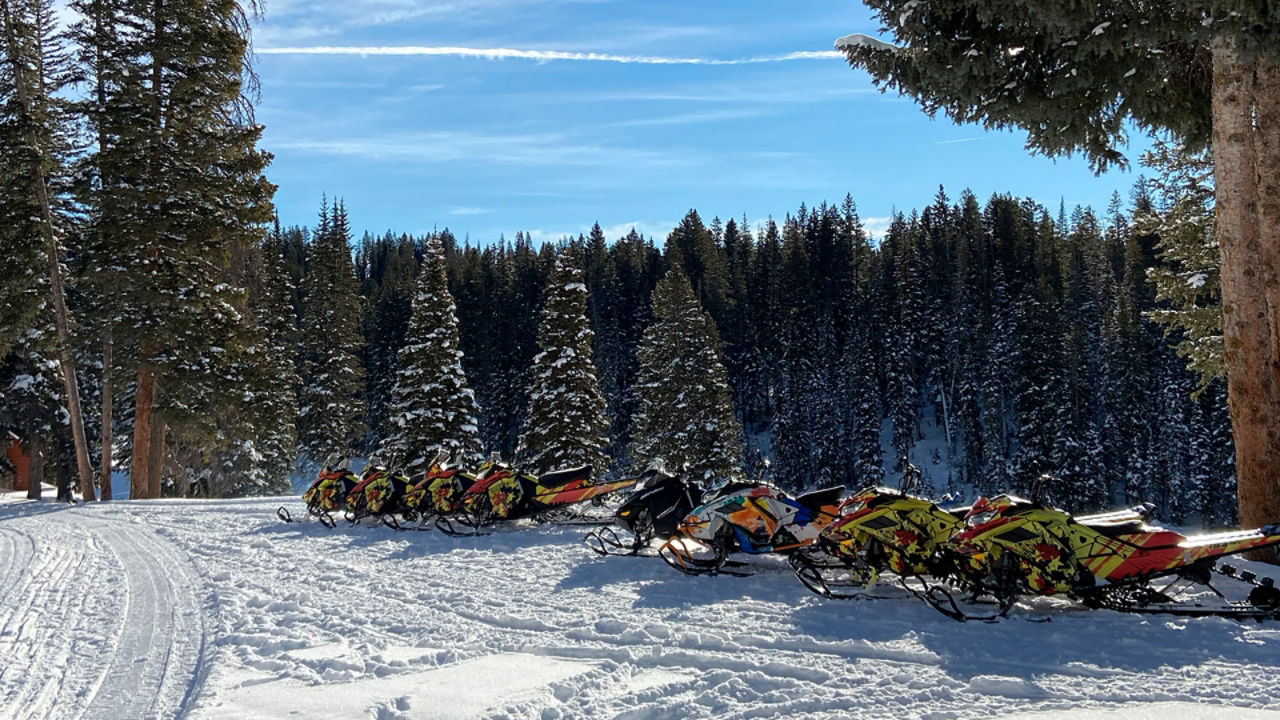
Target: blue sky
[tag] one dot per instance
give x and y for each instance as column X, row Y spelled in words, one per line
column 373, row 101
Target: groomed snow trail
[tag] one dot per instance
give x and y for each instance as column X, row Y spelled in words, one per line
column 99, row 616
column 365, row 622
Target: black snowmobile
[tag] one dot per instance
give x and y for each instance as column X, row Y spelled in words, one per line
column 654, row 510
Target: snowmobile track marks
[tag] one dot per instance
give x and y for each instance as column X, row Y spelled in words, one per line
column 99, row 618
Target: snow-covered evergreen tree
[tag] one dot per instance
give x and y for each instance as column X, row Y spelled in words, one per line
column 329, row 404
column 566, row 424
column 686, row 413
column 1188, row 277
column 431, row 408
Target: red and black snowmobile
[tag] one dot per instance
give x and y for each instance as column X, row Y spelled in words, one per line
column 655, row 510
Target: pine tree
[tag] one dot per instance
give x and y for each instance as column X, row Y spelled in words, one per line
column 36, row 139
column 431, row 406
column 1188, row 277
column 686, row 413
column 329, row 405
column 273, row 394
column 566, row 424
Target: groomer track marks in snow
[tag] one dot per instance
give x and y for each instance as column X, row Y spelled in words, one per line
column 99, row 616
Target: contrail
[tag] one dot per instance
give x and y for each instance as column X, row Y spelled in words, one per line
column 544, row 55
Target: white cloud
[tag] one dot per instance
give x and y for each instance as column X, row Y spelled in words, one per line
column 532, row 150
column 541, row 55
column 877, row 226
column 469, row 211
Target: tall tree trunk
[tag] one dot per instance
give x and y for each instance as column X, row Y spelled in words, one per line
column 53, row 264
column 155, row 460
column 35, row 468
column 105, row 480
column 140, row 466
column 1251, row 378
column 1267, row 114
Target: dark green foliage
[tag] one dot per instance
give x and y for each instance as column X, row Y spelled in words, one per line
column 686, row 413
column 431, row 407
column 566, row 424
column 330, row 405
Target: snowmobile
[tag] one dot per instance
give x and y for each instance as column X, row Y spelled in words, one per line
column 382, row 495
column 751, row 517
column 374, row 485
column 880, row 529
column 502, row 493
column 438, row 492
column 327, row 493
column 1014, row 547
column 656, row 508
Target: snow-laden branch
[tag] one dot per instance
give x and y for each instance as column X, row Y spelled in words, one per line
column 860, row 40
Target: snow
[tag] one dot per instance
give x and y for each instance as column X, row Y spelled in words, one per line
column 860, row 40
column 214, row 609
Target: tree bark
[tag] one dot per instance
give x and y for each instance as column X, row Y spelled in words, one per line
column 105, row 480
column 140, row 467
column 1267, row 147
column 155, row 473
column 35, row 468
column 1246, row 329
column 53, row 264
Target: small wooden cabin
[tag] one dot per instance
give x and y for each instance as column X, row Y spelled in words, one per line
column 16, row 457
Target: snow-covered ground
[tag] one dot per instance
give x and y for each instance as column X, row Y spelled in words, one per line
column 215, row 609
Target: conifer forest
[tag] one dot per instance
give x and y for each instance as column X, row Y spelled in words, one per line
column 161, row 325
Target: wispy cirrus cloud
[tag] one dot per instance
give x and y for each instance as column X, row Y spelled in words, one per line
column 542, row 55
column 469, row 211
column 529, row 150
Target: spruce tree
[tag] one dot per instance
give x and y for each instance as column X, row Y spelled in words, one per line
column 431, row 406
column 36, row 140
column 1188, row 278
column 329, row 404
column 686, row 413
column 566, row 424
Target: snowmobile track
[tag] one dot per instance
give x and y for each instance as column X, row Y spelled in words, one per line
column 99, row 618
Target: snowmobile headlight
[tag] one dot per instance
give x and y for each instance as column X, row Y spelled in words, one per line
column 980, row 519
column 624, row 513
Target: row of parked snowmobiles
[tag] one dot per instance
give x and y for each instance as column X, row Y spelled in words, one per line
column 970, row 563
column 457, row 501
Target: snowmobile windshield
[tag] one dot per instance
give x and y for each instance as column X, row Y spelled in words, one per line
column 725, row 487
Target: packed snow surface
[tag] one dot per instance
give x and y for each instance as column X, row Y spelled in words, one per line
column 215, row 609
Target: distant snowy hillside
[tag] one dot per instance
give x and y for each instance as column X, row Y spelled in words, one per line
column 215, row 609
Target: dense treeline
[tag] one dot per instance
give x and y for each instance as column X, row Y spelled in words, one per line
column 987, row 343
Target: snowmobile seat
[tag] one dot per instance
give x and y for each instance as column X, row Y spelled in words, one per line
column 818, row 498
column 556, row 478
column 1116, row 529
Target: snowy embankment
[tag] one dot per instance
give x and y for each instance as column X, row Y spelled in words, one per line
column 215, row 609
